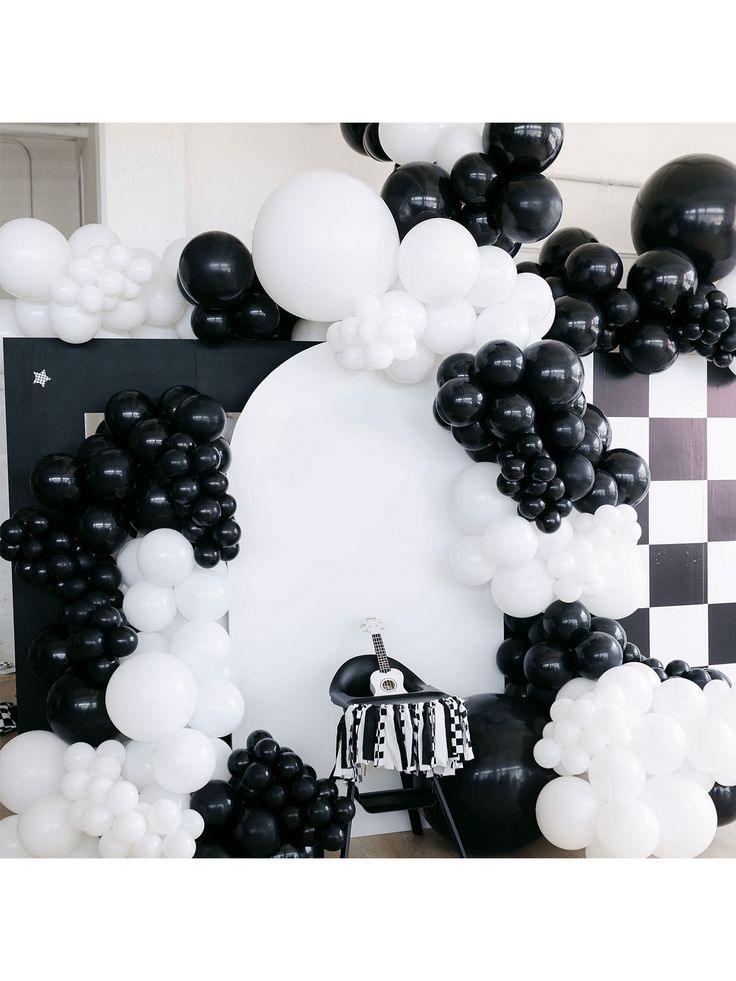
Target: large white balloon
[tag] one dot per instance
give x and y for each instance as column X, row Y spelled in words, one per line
column 32, row 318
column 137, row 766
column 309, row 330
column 321, row 242
column 220, row 707
column 469, row 562
column 32, row 255
column 475, row 500
column 454, row 142
column 408, row 142
column 149, row 607
column 616, row 774
column 204, row 646
column 660, row 743
column 685, row 813
column 165, row 557
column 524, row 590
column 438, row 261
column 44, row 829
column 150, row 695
column 682, row 700
column 10, row 846
column 413, row 369
column 127, row 562
column 31, row 766
column 171, row 255
column 184, row 761
column 567, row 812
column 450, row 327
column 628, row 829
column 204, row 595
column 510, row 541
column 72, row 324
column 496, row 278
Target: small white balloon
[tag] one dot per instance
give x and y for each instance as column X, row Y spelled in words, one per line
column 129, row 827
column 220, row 707
column 681, row 699
column 450, row 327
column 44, row 829
column 469, row 562
column 10, row 846
column 122, row 797
column 149, row 846
column 414, row 369
column 496, row 278
column 184, row 761
column 179, row 844
column 567, row 812
column 91, row 236
column 127, row 562
column 149, row 607
column 510, row 541
column 72, row 324
column 165, row 557
column 438, row 261
column 137, row 766
column 32, row 318
column 98, row 819
column 204, row 595
column 31, row 767
column 524, row 590
column 408, row 142
column 547, row 753
column 456, row 141
column 79, row 756
column 660, row 743
column 110, row 846
column 192, row 822
column 164, row 816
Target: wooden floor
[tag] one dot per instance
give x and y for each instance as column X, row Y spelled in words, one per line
column 403, row 844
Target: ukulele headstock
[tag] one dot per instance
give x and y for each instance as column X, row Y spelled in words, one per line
column 371, row 625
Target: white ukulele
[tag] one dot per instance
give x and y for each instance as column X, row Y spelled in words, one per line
column 386, row 680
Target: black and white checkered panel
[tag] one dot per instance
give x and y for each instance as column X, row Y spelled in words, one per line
column 683, row 421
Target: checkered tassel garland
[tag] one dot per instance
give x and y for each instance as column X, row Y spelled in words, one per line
column 412, row 737
column 7, row 718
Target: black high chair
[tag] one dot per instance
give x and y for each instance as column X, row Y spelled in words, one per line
column 350, row 686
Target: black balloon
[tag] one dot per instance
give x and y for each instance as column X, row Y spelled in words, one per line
column 578, row 322
column 353, row 134
column 596, row 653
column 648, row 347
column 475, row 179
column 510, row 659
column 577, row 472
column 553, row 374
column 170, row 400
column 109, row 475
column 690, row 204
column 566, row 623
column 510, row 414
column 608, row 626
column 256, row 318
column 724, row 799
column 660, row 278
column 529, row 209
column 256, row 834
column 216, row 804
column 548, row 666
column 455, row 366
column 459, row 402
column 498, row 365
column 202, row 417
column 372, row 143
column 153, row 508
column 125, row 409
column 216, row 270
column 631, row 473
column 415, row 192
column 555, row 250
column 76, row 711
column 562, row 432
column 620, row 309
column 493, row 797
column 211, row 326
column 47, row 656
column 603, row 491
column 101, row 529
column 522, row 147
column 598, row 421
column 55, row 480
column 481, row 224
column 593, row 269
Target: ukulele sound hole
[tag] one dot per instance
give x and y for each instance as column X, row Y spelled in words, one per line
column 388, row 685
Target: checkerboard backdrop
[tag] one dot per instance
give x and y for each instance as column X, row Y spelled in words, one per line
column 683, row 421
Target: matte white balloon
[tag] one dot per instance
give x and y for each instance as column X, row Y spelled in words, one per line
column 628, row 829
column 438, row 261
column 685, row 813
column 450, row 327
column 567, row 811
column 72, row 324
column 469, row 562
column 496, row 278
column 682, row 700
column 617, row 774
column 127, row 562
column 32, row 318
column 44, row 829
column 164, row 816
column 204, row 595
column 220, row 707
column 408, row 142
column 137, row 766
column 660, row 743
column 184, row 761
column 31, row 767
column 475, row 500
column 179, row 844
column 149, row 607
column 414, row 369
column 32, row 255
column 510, row 541
column 165, row 557
column 150, row 695
column 89, row 236
column 10, row 846
column 454, row 142
column 204, row 646
column 524, row 590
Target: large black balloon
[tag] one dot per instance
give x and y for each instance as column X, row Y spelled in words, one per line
column 55, row 480
column 475, row 179
column 216, row 804
column 660, row 278
column 47, row 655
column 125, row 409
column 648, row 347
column 493, row 798
column 577, row 473
column 110, row 475
column 522, row 147
column 415, row 192
column 353, row 134
column 76, row 711
column 593, row 269
column 529, row 209
column 553, row 374
column 690, row 204
column 216, row 270
column 631, row 473
column 578, row 323
column 101, row 529
column 555, row 250
column 497, row 365
column 202, row 417
column 510, row 659
column 724, row 799
column 257, row 834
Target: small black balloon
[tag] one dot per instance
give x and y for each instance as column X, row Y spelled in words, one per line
column 555, row 249
column 333, row 837
column 216, row 803
column 620, row 309
column 497, row 365
column 153, row 508
column 56, row 481
column 455, row 366
column 724, row 799
column 109, row 475
column 523, row 147
column 343, row 810
column 662, row 278
column 121, row 641
column 211, row 326
column 481, row 224
column 510, row 414
column 596, row 420
column 510, row 659
column 631, row 473
column 562, row 432
column 372, row 143
column 257, row 318
column 548, row 666
column 566, row 623
column 353, row 134
column 202, row 417
column 170, row 400
column 266, row 750
column 593, row 269
column 416, row 192
column 475, row 179
column 125, row 409
column 303, row 788
column 597, row 653
column 603, row 491
column 460, row 402
column 648, row 347
column 529, row 209
column 577, row 473
column 47, row 655
column 101, row 529
column 256, row 834
column 255, row 736
column 608, row 626
column 75, row 708
column 578, row 323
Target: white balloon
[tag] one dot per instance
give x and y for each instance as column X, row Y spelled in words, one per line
column 149, row 695
column 33, row 254
column 222, row 752
column 79, row 756
column 660, row 743
column 616, row 774
column 165, row 304
column 192, row 822
column 682, row 700
column 496, row 278
column 309, row 330
column 126, row 314
column 628, row 829
column 408, row 142
column 122, row 797
column 454, row 142
column 129, row 827
column 44, row 829
column 171, row 256
column 220, row 707
column 438, row 261
column 105, row 766
column 184, row 761
column 204, row 595
column 414, row 369
column 32, row 318
column 685, row 813
column 567, row 811
column 503, row 322
column 510, row 541
column 154, row 792
column 321, row 242
column 31, row 767
column 127, row 562
column 576, row 688
column 149, row 607
column 110, row 846
column 97, row 820
column 469, row 561
column 72, row 324
column 149, row 846
column 164, row 816
column 152, row 642
column 534, row 296
column 450, row 327
column 703, row 780
column 638, row 691
column 74, row 784
column 137, row 766
column 711, row 746
column 596, row 850
column 203, row 646
column 524, row 590
column 547, row 753
column 10, row 846
column 89, row 236
column 165, row 557
column 179, row 844
column 475, row 500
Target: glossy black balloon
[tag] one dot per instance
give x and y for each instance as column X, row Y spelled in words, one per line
column 101, row 529
column 475, row 437
column 662, row 278
column 597, row 653
column 724, row 799
column 153, row 508
column 56, row 481
column 170, row 400
column 257, row 318
column 372, row 143
column 121, row 641
column 216, row 270
column 529, row 209
column 555, row 250
column 459, row 365
column 562, row 432
column 256, row 834
column 343, row 810
column 493, row 797
column 578, row 323
column 216, row 803
column 353, row 134
column 75, row 708
column 47, row 655
column 109, row 476
column 498, row 365
column 415, row 192
column 648, row 347
column 593, row 269
column 597, row 420
column 631, row 473
column 125, row 409
column 481, row 224
column 211, row 326
column 566, row 623
column 548, row 666
column 603, row 491
column 288, row 766
column 475, row 179
column 576, row 472
column 510, row 659
column 202, row 417
column 93, row 444
column 553, row 374
column 460, row 402
column 608, row 626
column 88, row 642
column 690, row 204
column 620, row 309
column 522, row 147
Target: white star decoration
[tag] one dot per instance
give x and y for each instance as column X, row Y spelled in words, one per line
column 40, row 378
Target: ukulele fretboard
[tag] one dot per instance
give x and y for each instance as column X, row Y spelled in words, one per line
column 380, row 651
